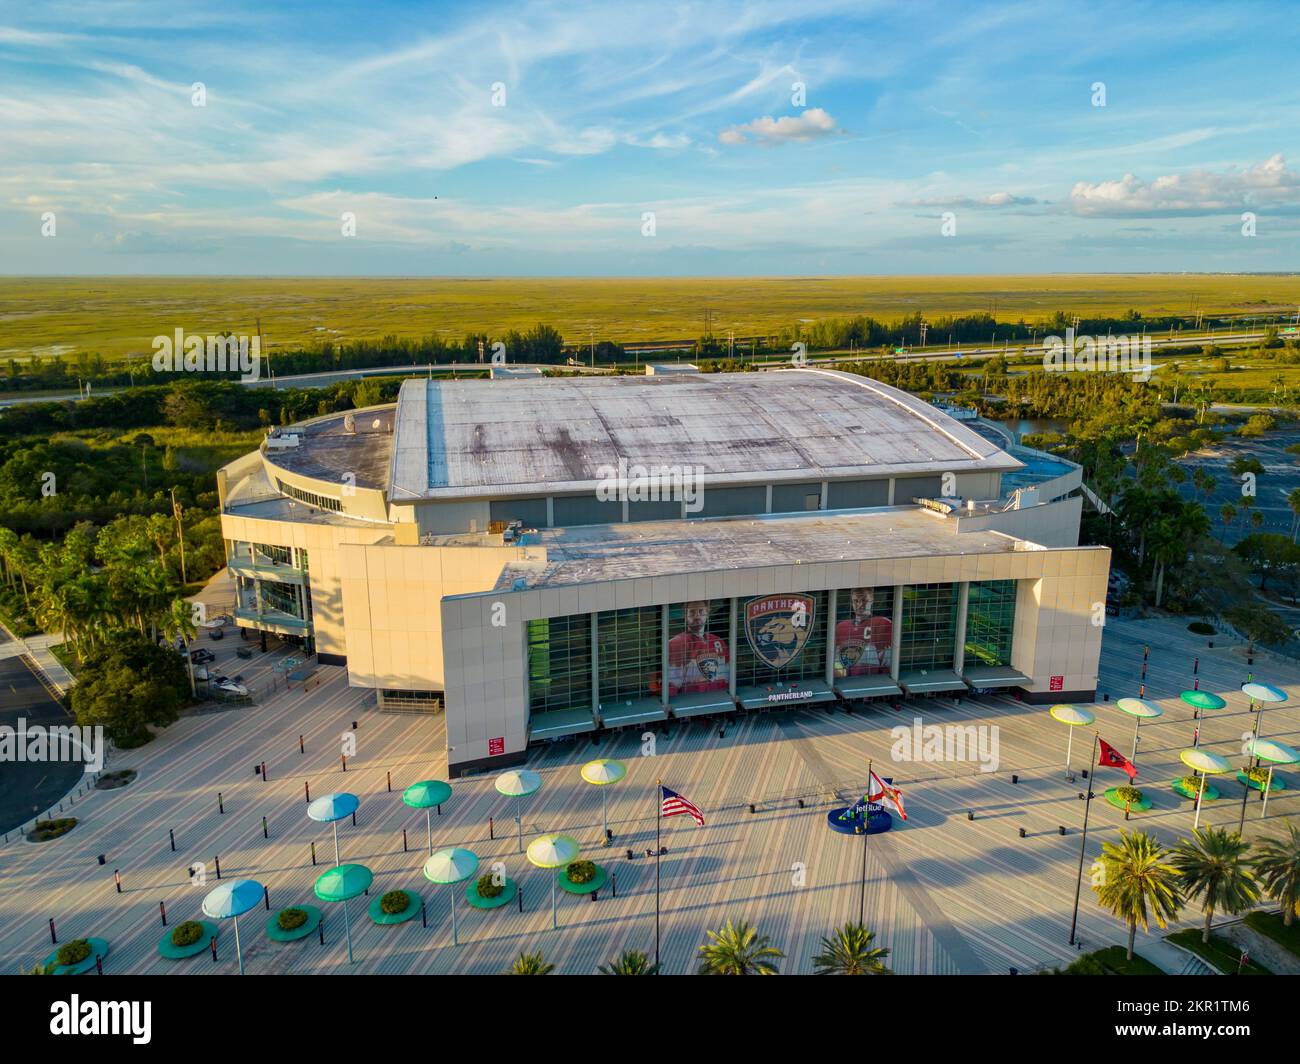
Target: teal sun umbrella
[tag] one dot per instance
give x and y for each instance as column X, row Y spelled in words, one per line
column 341, row 884
column 426, row 795
column 229, row 901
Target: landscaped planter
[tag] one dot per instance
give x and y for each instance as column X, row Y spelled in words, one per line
column 1140, row 806
column 379, row 916
column 173, row 952
column 98, row 948
column 48, row 830
column 1211, row 791
column 508, row 891
column 276, row 933
column 1278, row 783
column 111, row 781
column 597, row 881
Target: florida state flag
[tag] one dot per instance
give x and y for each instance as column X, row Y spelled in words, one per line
column 1112, row 758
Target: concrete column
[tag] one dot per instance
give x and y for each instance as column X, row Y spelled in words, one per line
column 550, row 511
column 663, row 653
column 959, row 648
column 732, row 644
column 891, row 491
column 595, row 663
column 825, row 493
column 767, row 507
column 831, row 605
column 895, row 651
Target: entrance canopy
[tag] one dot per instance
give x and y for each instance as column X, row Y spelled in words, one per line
column 786, row 693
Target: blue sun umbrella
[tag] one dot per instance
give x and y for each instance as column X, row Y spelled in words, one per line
column 342, row 883
column 331, row 809
column 230, row 901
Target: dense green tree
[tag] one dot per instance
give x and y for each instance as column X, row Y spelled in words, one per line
column 127, row 685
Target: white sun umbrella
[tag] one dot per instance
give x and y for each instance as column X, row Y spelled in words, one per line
column 1262, row 693
column 331, row 809
column 1139, row 709
column 451, row 866
column 1075, row 718
column 230, row 901
column 1275, row 754
column 1207, row 764
column 552, row 851
column 518, row 783
column 600, row 773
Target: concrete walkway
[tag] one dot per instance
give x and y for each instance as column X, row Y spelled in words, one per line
column 37, row 649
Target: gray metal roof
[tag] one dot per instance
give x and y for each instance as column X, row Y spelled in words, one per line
column 467, row 439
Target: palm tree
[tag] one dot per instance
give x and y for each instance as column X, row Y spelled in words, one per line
column 179, row 622
column 1293, row 501
column 1277, row 867
column 1212, row 865
column 629, row 962
column 738, row 949
column 1136, row 883
column 531, row 964
column 849, row 952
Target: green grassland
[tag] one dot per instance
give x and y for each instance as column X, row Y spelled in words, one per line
column 114, row 316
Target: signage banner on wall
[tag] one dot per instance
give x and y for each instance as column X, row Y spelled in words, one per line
column 778, row 627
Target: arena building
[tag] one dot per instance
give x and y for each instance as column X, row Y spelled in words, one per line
column 546, row 557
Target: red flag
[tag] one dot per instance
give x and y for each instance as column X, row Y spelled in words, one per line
column 1112, row 758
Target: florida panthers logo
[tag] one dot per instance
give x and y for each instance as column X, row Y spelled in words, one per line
column 778, row 626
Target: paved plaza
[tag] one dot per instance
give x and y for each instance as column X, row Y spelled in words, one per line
column 946, row 894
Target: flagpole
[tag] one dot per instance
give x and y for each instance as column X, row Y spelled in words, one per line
column 1083, row 842
column 658, row 821
column 866, row 827
column 1250, row 762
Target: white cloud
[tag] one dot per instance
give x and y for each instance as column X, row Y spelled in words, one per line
column 993, row 200
column 1269, row 183
column 808, row 125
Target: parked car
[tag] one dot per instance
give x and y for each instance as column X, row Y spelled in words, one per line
column 216, row 633
column 201, row 656
column 231, row 687
column 244, row 652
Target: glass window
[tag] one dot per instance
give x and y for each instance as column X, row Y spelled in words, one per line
column 559, row 663
column 990, row 619
column 929, row 627
column 782, row 638
column 699, row 646
column 864, row 631
column 629, row 661
column 282, row 597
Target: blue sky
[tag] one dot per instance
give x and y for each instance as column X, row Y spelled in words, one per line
column 606, row 112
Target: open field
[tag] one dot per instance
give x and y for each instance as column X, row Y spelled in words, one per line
column 120, row 315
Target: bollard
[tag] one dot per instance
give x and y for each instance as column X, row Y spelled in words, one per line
column 306, row 790
column 800, row 801
column 1022, row 833
column 321, row 930
column 390, row 781
column 53, row 939
column 439, row 808
column 214, row 949
column 266, row 897
column 313, row 855
column 99, row 964
column 221, row 806
column 423, row 923
column 354, row 818
column 404, row 841
column 263, row 771
column 264, row 833
column 171, row 837
column 217, row 861
column 162, row 911
column 613, row 884
column 521, row 899
column 344, row 759
column 1061, row 828
column 301, row 749
column 970, row 815
column 117, row 879
column 1015, row 778
column 490, row 829
column 751, row 807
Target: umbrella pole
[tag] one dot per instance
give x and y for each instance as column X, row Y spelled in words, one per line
column 519, row 823
column 1200, row 797
column 554, row 923
column 455, row 940
column 336, row 844
column 239, row 953
column 604, row 815
column 1268, row 786
column 428, row 830
column 347, row 928
column 1137, row 723
column 1069, row 746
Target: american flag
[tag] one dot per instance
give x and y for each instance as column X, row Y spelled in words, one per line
column 673, row 804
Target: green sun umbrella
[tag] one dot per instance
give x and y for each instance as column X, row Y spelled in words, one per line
column 553, row 851
column 1075, row 718
column 426, row 795
column 1203, row 699
column 1207, row 764
column 518, row 783
column 600, row 773
column 451, row 866
column 1275, row 753
column 1139, row 709
column 340, row 884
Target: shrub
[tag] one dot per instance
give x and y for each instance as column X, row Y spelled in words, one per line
column 1201, row 628
column 1258, row 774
column 1128, row 794
column 187, row 934
column 1191, row 784
column 290, row 919
column 394, row 902
column 487, row 887
column 73, row 952
column 581, row 872
column 44, row 830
